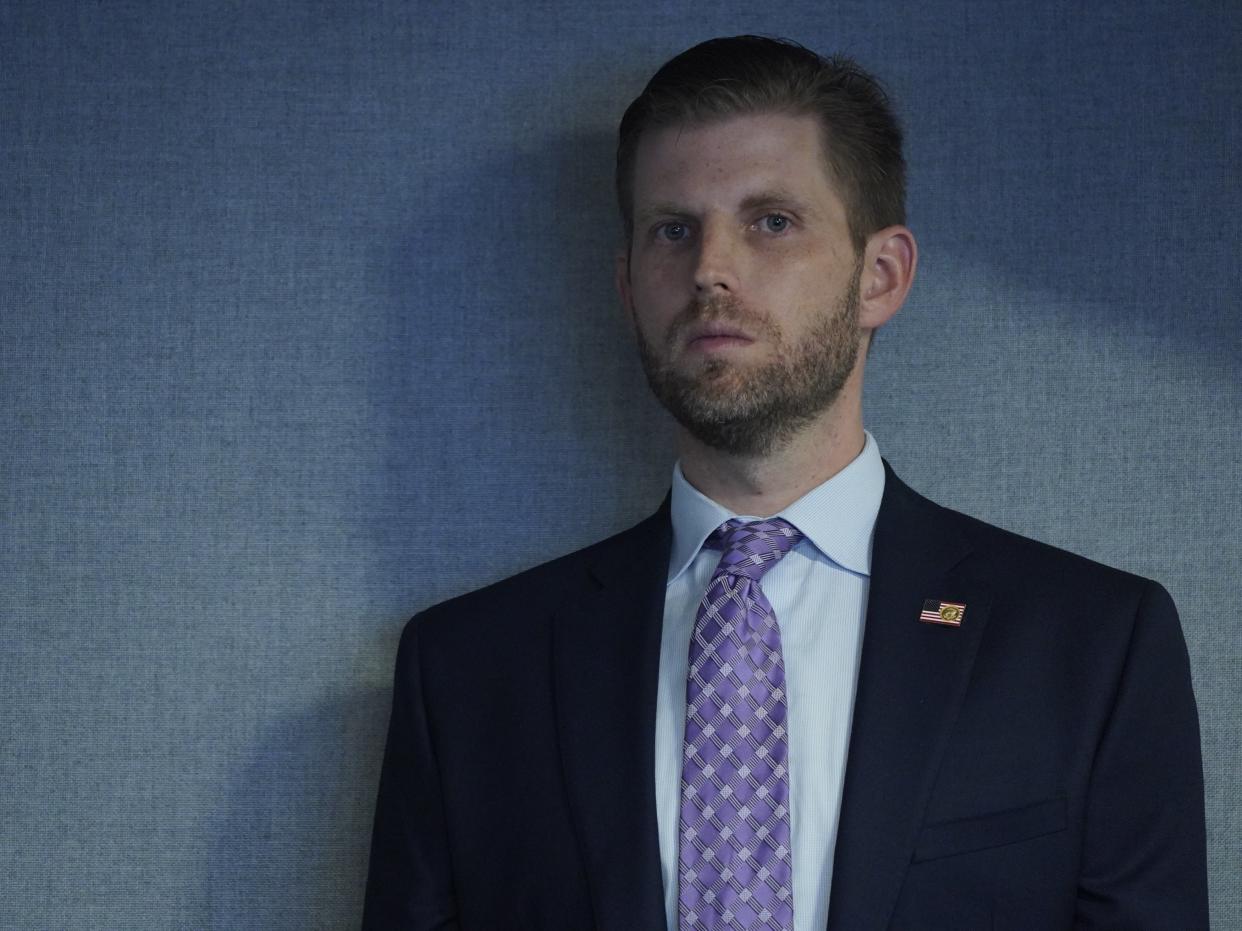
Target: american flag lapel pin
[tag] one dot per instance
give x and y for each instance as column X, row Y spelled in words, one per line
column 948, row 613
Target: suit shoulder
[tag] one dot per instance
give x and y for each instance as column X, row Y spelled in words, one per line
column 1024, row 562
column 539, row 590
column 1041, row 597
column 1015, row 562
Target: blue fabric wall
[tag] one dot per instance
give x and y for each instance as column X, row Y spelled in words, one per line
column 306, row 323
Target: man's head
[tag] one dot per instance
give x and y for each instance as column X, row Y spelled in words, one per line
column 745, row 75
column 757, row 255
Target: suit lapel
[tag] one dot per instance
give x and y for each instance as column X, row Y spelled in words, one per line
column 911, row 681
column 606, row 650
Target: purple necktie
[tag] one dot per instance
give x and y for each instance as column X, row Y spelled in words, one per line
column 735, row 860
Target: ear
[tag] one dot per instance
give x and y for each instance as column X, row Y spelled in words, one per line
column 621, row 281
column 889, row 261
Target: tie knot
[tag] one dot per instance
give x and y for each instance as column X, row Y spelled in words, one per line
column 751, row 549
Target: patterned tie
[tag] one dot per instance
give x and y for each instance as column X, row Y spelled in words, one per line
column 735, row 861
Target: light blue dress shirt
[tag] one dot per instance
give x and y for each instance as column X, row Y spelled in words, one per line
column 819, row 593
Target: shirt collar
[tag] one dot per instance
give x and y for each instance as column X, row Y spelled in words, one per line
column 837, row 517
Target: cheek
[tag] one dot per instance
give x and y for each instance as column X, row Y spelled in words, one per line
column 657, row 286
column 809, row 279
column 658, row 268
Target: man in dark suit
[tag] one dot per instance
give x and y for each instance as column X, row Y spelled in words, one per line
column 799, row 695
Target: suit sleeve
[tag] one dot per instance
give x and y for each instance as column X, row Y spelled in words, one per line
column 410, row 883
column 1144, row 857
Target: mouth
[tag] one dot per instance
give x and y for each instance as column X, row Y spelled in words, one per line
column 710, row 337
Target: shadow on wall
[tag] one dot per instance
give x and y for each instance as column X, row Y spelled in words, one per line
column 289, row 846
column 509, row 380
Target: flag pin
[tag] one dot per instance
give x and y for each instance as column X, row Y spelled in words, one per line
column 942, row 612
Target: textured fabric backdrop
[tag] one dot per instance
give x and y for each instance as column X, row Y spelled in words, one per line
column 307, row 323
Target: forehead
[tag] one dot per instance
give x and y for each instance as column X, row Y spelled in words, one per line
column 728, row 160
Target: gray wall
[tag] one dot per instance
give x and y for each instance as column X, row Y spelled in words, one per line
column 306, row 324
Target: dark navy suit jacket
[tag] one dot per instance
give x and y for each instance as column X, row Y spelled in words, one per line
column 1037, row 767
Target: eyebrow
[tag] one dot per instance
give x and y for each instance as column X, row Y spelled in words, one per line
column 771, row 197
column 776, row 197
column 664, row 209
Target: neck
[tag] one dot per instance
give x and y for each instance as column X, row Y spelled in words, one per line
column 764, row 484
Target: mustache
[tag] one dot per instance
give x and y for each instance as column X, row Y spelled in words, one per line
column 719, row 309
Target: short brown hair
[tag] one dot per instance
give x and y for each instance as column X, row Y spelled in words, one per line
column 733, row 76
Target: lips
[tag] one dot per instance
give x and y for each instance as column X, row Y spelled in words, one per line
column 715, row 334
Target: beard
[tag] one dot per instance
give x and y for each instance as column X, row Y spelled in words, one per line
column 754, row 409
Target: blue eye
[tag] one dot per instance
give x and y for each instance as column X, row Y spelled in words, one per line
column 775, row 223
column 673, row 232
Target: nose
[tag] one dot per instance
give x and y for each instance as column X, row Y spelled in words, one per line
column 716, row 268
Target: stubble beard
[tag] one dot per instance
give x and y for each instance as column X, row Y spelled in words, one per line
column 755, row 409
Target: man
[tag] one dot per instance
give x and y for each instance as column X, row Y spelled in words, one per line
column 799, row 696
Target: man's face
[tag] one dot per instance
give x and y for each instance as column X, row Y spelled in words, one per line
column 741, row 281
